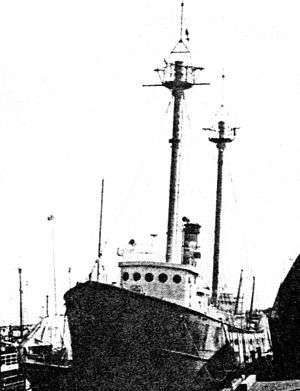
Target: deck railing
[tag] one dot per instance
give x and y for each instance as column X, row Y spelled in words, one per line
column 9, row 359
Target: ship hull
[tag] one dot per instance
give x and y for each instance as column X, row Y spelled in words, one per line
column 284, row 325
column 122, row 340
column 47, row 377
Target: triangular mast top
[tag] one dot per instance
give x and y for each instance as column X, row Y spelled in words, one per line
column 181, row 47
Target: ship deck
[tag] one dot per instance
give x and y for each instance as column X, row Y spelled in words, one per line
column 250, row 384
column 286, row 385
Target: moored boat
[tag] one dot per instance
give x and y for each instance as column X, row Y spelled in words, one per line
column 162, row 328
column 46, row 355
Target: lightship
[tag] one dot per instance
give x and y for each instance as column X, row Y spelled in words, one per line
column 161, row 329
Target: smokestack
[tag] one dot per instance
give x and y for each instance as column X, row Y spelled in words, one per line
column 190, row 247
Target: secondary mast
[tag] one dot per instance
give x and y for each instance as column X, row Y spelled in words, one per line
column 225, row 136
column 177, row 76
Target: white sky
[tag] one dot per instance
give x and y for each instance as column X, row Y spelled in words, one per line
column 72, row 110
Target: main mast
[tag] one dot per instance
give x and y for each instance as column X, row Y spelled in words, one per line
column 177, row 86
column 177, row 76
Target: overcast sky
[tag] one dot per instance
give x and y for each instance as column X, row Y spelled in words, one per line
column 73, row 110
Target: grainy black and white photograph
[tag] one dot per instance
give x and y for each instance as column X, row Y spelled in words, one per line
column 149, row 195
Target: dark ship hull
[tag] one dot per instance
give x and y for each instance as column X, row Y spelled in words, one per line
column 47, row 377
column 122, row 340
column 285, row 325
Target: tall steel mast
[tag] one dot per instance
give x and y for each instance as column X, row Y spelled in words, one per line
column 21, row 302
column 238, row 296
column 47, row 306
column 177, row 86
column 252, row 296
column 177, row 76
column 225, row 136
column 100, row 232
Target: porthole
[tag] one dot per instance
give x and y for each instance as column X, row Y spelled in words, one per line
column 125, row 276
column 236, row 341
column 177, row 279
column 136, row 276
column 162, row 277
column 149, row 277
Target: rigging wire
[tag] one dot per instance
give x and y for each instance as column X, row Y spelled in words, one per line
column 223, row 88
column 187, row 113
column 238, row 213
column 51, row 218
column 140, row 172
column 168, row 106
column 242, row 234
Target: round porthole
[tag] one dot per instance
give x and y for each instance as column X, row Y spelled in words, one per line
column 125, row 276
column 136, row 276
column 149, row 277
column 177, row 279
column 162, row 277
